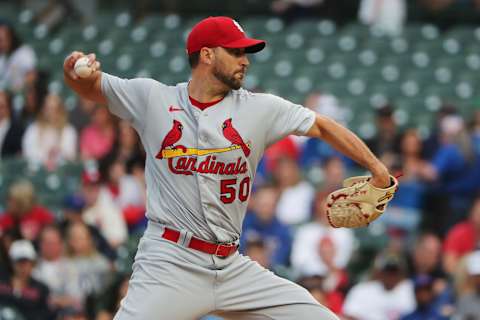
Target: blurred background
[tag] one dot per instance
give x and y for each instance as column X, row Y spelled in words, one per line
column 403, row 74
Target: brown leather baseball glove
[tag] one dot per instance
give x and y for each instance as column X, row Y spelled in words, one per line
column 358, row 203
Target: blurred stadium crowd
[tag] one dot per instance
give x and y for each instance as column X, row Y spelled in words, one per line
column 402, row 74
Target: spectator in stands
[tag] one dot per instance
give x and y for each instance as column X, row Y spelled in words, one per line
column 127, row 191
column 54, row 13
column 73, row 207
column 453, row 160
column 11, row 131
column 17, row 60
column 101, row 211
column 19, row 290
column 386, row 141
column 285, row 148
column 386, row 16
column 319, row 249
column 257, row 250
column 430, row 305
column 404, row 211
column 98, row 138
column 91, row 267
column 432, row 143
column 128, row 147
column 72, row 313
column 82, row 114
column 387, row 297
column 124, row 187
column 110, row 299
column 23, row 215
column 35, row 93
column 54, row 270
column 291, row 10
column 333, row 174
column 316, row 286
column 294, row 205
column 468, row 303
column 263, row 224
column 462, row 239
column 6, row 239
column 427, row 259
column 475, row 130
column 50, row 140
column 426, row 265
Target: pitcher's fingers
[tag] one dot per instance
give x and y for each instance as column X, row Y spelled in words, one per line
column 91, row 58
column 96, row 66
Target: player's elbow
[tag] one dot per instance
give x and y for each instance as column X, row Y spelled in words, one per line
column 319, row 127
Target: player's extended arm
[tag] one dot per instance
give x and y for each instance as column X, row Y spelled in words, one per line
column 88, row 88
column 345, row 141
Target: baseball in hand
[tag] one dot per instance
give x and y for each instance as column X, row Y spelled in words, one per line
column 82, row 69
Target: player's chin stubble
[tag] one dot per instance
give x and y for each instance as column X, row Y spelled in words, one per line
column 228, row 80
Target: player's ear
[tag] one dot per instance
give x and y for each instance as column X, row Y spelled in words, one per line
column 207, row 55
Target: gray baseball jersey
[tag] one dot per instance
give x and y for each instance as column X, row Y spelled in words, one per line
column 201, row 164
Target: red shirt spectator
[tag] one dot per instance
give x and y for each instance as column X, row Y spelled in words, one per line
column 285, row 148
column 23, row 213
column 463, row 238
column 31, row 222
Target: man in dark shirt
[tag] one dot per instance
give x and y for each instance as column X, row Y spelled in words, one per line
column 11, row 131
column 19, row 290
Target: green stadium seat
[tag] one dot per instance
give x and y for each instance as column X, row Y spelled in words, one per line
column 444, row 92
column 263, row 71
column 444, row 75
column 153, row 22
column 422, row 77
column 307, row 28
column 336, row 88
column 472, row 61
column 381, row 46
column 259, row 26
column 463, row 34
column 356, row 30
column 328, row 45
column 390, row 90
column 327, row 28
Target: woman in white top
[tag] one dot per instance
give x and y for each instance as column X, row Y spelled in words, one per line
column 50, row 139
column 17, row 60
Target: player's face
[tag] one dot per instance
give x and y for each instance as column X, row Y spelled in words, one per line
column 230, row 66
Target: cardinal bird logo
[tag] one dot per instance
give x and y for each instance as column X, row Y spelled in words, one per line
column 233, row 136
column 171, row 138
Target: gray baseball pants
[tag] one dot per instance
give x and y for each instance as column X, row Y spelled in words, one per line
column 172, row 282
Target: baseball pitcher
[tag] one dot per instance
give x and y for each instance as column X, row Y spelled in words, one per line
column 203, row 140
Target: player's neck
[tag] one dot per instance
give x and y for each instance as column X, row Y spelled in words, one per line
column 205, row 89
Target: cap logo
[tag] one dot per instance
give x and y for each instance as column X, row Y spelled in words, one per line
column 238, row 26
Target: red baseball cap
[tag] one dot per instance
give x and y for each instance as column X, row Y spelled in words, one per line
column 221, row 32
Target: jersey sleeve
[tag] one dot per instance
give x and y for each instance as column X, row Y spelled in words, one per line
column 288, row 118
column 127, row 98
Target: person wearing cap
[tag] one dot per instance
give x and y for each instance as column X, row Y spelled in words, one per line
column 468, row 303
column 203, row 140
column 20, row 291
column 388, row 296
column 430, row 305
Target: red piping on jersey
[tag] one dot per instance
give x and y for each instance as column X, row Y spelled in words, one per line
column 203, row 105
